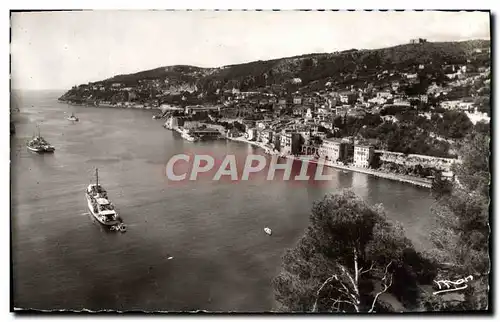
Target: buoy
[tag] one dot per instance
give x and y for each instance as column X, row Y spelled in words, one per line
column 268, row 230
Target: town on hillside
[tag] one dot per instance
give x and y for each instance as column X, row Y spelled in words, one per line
column 379, row 110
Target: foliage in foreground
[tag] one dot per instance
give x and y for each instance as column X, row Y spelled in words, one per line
column 462, row 236
column 349, row 259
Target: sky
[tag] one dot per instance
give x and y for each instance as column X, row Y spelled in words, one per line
column 56, row 50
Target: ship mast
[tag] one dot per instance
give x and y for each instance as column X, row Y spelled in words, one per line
column 96, row 177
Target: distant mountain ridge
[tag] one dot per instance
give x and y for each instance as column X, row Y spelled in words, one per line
column 350, row 66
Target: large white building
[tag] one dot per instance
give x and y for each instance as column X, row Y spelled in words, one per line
column 331, row 149
column 363, row 155
column 251, row 134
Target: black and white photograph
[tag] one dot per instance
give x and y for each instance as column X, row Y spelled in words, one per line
column 251, row 161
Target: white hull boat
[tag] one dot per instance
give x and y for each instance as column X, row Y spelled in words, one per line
column 100, row 206
column 107, row 218
column 73, row 118
column 39, row 145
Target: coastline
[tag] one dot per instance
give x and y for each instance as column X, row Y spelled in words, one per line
column 130, row 106
column 421, row 182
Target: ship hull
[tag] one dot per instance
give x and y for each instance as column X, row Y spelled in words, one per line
column 41, row 150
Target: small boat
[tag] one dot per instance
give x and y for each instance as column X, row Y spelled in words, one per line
column 156, row 117
column 119, row 227
column 73, row 118
column 39, row 145
column 268, row 231
column 100, row 206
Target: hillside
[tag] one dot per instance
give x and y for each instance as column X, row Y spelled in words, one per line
column 345, row 68
column 180, row 72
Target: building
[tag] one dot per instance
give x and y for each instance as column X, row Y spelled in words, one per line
column 401, row 102
column 411, row 160
column 458, row 104
column 299, row 110
column 309, row 114
column 261, row 125
column 341, row 110
column 356, row 112
column 418, row 41
column 363, row 155
column 205, row 133
column 277, row 141
column 348, row 97
column 297, row 100
column 290, row 143
column 233, row 133
column 251, row 134
column 174, row 121
column 267, row 136
column 171, row 122
column 335, row 150
column 449, row 105
column 384, row 94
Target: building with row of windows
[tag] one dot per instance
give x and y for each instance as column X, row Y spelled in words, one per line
column 363, row 155
column 336, row 150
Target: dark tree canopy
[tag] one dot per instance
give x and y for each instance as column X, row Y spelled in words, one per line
column 349, row 256
column 462, row 239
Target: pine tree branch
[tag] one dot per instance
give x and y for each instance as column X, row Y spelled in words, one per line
column 338, row 302
column 328, row 280
column 344, row 270
column 387, row 282
column 346, row 289
column 366, row 270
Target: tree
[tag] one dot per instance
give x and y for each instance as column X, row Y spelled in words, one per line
column 346, row 260
column 482, row 127
column 462, row 238
column 375, row 163
column 440, row 187
column 454, row 125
